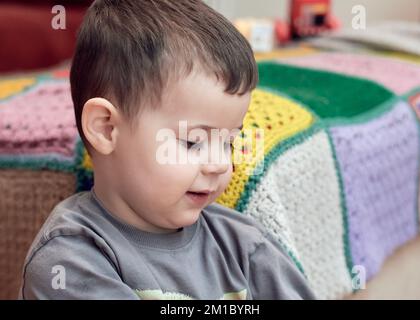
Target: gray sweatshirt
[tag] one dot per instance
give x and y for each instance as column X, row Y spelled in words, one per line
column 84, row 252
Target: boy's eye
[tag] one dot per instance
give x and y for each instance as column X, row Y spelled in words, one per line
column 191, row 144
column 229, row 145
column 197, row 145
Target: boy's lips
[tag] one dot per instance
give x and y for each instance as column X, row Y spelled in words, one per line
column 202, row 191
column 199, row 197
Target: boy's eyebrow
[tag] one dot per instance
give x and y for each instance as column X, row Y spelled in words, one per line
column 206, row 127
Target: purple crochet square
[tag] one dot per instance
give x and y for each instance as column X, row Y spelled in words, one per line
column 379, row 162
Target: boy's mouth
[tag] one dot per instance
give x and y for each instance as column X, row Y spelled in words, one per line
column 199, row 197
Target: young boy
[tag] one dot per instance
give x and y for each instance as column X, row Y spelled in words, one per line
column 149, row 229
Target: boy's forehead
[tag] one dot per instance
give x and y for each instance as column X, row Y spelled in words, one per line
column 193, row 83
column 221, row 111
column 197, row 91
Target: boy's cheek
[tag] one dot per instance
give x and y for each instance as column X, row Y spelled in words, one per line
column 224, row 181
column 180, row 174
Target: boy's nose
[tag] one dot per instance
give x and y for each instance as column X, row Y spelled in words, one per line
column 214, row 168
column 216, row 160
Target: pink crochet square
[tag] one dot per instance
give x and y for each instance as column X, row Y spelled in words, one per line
column 39, row 121
column 397, row 75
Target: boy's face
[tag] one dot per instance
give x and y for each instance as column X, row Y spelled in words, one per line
column 161, row 194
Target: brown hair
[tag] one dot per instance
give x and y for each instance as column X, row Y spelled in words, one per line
column 128, row 50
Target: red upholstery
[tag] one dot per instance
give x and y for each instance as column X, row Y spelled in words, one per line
column 27, row 39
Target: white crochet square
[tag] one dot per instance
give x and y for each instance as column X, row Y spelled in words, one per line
column 298, row 200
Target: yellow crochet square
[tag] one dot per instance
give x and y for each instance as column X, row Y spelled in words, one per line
column 271, row 118
column 10, row 87
column 87, row 161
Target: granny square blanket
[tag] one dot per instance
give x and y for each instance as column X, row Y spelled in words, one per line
column 336, row 181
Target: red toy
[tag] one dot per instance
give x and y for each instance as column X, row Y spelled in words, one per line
column 307, row 18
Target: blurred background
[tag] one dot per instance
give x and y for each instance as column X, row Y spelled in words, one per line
column 29, row 42
column 408, row 10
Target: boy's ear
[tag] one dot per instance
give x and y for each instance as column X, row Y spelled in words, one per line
column 99, row 123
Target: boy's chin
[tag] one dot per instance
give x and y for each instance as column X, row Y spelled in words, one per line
column 187, row 218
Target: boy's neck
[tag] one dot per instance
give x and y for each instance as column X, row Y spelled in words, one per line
column 117, row 207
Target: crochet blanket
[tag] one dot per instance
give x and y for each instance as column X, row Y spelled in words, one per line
column 336, row 183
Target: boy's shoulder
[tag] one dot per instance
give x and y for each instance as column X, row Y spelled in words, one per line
column 73, row 216
column 234, row 225
column 218, row 212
